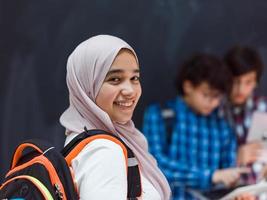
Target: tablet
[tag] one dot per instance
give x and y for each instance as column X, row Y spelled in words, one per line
column 258, row 128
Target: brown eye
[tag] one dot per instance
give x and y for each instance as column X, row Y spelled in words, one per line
column 114, row 80
column 136, row 78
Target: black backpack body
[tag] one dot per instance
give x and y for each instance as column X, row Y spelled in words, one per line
column 39, row 171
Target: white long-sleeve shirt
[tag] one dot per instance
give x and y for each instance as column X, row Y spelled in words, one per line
column 100, row 173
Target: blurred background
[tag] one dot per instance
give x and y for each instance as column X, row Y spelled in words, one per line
column 37, row 37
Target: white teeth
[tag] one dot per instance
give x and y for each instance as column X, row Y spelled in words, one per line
column 126, row 104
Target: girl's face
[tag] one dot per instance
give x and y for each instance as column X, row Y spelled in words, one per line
column 243, row 87
column 121, row 88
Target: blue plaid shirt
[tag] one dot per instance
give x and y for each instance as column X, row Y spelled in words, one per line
column 192, row 150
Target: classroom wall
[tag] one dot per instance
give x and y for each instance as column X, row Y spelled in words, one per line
column 37, row 37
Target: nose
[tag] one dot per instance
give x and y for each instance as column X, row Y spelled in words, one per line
column 127, row 89
column 239, row 88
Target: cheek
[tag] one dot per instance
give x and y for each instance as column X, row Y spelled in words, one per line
column 200, row 99
column 105, row 97
column 138, row 91
column 251, row 88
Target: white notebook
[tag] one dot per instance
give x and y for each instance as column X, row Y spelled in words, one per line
column 252, row 189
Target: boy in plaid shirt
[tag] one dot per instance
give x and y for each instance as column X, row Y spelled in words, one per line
column 193, row 144
column 246, row 67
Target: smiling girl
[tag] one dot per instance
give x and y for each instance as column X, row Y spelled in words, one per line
column 104, row 89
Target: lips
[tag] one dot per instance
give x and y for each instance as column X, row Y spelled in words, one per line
column 124, row 104
column 239, row 98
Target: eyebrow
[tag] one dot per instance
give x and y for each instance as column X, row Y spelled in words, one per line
column 114, row 71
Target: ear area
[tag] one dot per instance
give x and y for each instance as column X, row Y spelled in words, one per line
column 187, row 87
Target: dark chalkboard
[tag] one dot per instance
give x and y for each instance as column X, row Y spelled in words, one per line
column 37, row 37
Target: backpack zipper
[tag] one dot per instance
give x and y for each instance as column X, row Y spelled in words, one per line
column 58, row 191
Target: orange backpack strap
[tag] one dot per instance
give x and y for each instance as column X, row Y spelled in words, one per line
column 72, row 149
column 78, row 148
column 33, row 145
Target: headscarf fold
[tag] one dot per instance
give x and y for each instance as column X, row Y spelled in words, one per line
column 87, row 67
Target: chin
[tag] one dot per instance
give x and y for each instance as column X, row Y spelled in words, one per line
column 206, row 112
column 123, row 120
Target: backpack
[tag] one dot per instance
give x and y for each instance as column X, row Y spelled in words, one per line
column 169, row 118
column 39, row 171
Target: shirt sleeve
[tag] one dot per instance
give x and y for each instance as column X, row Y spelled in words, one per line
column 229, row 146
column 100, row 171
column 177, row 171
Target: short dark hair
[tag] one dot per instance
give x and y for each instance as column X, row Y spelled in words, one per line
column 202, row 68
column 242, row 60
